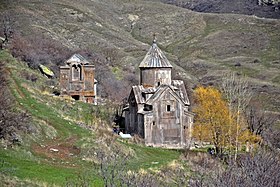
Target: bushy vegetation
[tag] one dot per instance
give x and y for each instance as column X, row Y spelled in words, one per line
column 258, row 169
column 78, row 131
column 261, row 8
column 101, row 158
column 57, row 141
column 13, row 123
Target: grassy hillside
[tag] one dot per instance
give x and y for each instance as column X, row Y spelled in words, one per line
column 201, row 46
column 54, row 125
column 260, row 8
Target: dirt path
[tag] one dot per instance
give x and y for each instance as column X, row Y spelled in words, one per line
column 21, row 94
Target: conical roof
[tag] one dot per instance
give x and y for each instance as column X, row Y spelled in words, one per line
column 155, row 58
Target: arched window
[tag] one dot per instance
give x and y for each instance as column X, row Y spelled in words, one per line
column 76, row 72
column 80, row 71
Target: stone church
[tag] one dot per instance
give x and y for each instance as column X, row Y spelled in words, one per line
column 158, row 108
column 77, row 79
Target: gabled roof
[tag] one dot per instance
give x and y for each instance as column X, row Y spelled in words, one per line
column 161, row 89
column 177, row 89
column 137, row 90
column 181, row 90
column 155, row 58
column 77, row 58
column 149, row 90
column 156, row 95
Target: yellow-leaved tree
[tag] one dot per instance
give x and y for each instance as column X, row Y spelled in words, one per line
column 212, row 118
column 214, row 121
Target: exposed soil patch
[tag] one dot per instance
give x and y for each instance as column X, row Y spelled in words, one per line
column 57, row 149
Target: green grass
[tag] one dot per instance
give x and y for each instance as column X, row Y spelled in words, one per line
column 35, row 103
column 40, row 170
column 247, row 71
column 27, row 164
column 187, row 41
column 24, row 168
column 276, row 79
column 41, row 111
column 146, row 156
column 37, row 166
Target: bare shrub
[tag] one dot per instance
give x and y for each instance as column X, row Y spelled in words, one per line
column 264, row 124
column 39, row 49
column 258, row 120
column 109, row 85
column 6, row 28
column 111, row 55
column 272, row 135
column 115, row 172
column 28, row 76
column 12, row 123
column 260, row 169
column 112, row 164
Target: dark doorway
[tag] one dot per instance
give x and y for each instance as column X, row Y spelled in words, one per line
column 76, row 97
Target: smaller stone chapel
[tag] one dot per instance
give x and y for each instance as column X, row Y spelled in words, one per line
column 158, row 108
column 77, row 79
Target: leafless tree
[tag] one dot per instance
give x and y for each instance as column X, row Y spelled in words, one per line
column 39, row 49
column 202, row 166
column 112, row 164
column 237, row 92
column 274, row 138
column 251, row 170
column 7, row 28
column 258, row 120
column 260, row 169
column 109, row 86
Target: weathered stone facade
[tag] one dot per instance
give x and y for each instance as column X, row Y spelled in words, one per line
column 158, row 108
column 77, row 79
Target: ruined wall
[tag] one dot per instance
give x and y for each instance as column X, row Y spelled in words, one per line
column 64, row 79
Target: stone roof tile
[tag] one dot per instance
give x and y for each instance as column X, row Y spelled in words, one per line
column 155, row 58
